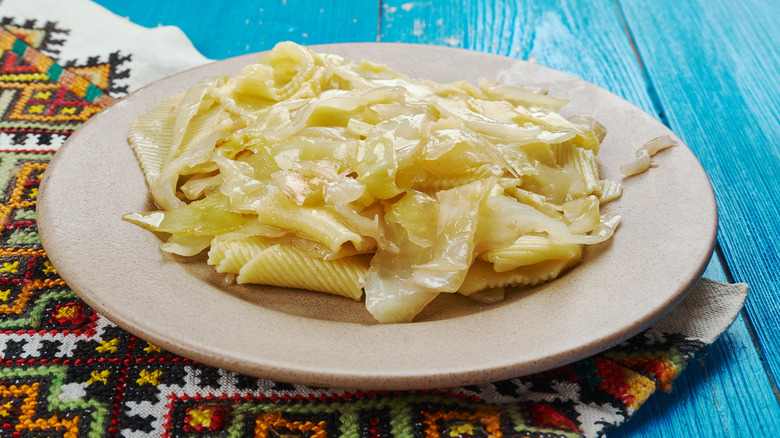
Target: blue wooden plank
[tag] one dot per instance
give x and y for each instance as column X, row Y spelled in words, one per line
column 717, row 80
column 221, row 30
column 584, row 40
column 589, row 40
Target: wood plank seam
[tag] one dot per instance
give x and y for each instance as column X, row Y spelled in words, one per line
column 657, row 103
column 651, row 89
column 749, row 326
column 379, row 22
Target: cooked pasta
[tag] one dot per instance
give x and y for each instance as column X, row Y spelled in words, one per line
column 310, row 171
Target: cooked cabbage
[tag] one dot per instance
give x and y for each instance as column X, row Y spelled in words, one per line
column 308, row 170
column 643, row 160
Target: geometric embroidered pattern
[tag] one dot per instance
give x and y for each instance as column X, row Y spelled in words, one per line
column 40, row 99
column 66, row 371
column 113, row 383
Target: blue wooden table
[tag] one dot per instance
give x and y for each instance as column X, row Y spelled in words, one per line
column 709, row 69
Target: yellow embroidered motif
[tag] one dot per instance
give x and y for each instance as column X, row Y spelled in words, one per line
column 48, row 268
column 4, row 294
column 5, row 408
column 68, row 110
column 462, row 429
column 149, row 378
column 31, row 77
column 34, row 193
column 66, row 312
column 36, row 109
column 639, row 386
column 109, row 346
column 99, row 376
column 199, row 417
column 11, row 268
column 152, row 348
column 42, row 95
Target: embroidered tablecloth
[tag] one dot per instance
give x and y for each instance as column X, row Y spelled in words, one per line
column 67, row 371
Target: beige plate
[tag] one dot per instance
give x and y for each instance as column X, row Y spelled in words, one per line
column 658, row 253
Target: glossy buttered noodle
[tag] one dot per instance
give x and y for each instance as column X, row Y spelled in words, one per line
column 310, row 171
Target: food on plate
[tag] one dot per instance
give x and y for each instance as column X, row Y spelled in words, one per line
column 642, row 162
column 307, row 170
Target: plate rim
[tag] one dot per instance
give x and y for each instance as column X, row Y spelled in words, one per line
column 368, row 379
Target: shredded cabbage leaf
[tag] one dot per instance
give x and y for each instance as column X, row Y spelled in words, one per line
column 446, row 188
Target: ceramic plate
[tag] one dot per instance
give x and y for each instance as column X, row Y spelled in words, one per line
column 660, row 250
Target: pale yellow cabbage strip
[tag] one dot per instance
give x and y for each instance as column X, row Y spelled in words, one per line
column 310, row 171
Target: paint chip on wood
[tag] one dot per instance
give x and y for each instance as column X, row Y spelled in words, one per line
column 452, row 41
column 419, row 25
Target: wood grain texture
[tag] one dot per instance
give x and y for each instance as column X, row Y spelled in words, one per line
column 715, row 67
column 584, row 39
column 220, row 29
